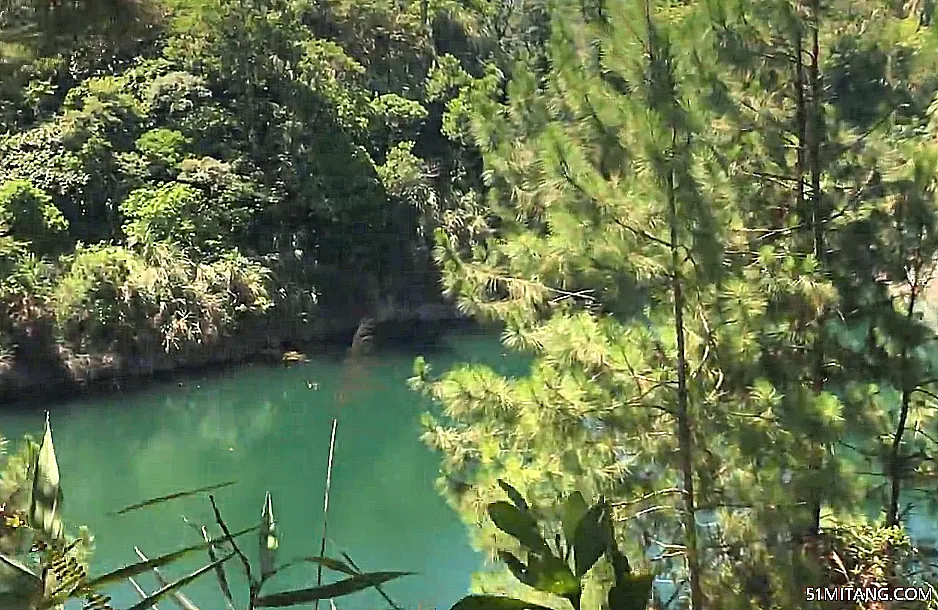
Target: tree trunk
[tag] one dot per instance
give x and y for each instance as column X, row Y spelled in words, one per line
column 818, row 220
column 895, row 469
column 684, row 423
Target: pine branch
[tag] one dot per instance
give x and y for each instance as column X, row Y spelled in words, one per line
column 634, row 230
column 653, row 494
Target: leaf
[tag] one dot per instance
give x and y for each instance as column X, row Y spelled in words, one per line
column 516, row 567
column 267, row 541
column 336, row 589
column 620, row 563
column 326, row 562
column 163, row 591
column 172, row 496
column 494, row 602
column 522, row 526
column 516, row 498
column 378, row 588
column 573, row 510
column 14, row 563
column 46, row 492
column 143, row 594
column 632, row 593
column 552, row 575
column 219, row 570
column 145, row 566
column 593, row 536
column 181, row 600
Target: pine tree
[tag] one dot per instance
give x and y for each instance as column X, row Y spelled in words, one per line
column 834, row 95
column 625, row 269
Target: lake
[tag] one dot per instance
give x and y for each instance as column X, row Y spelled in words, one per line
column 268, row 428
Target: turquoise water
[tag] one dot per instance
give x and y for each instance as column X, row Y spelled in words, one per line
column 268, row 428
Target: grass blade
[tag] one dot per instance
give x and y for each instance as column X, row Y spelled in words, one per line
column 145, row 566
column 378, row 588
column 325, row 506
column 181, row 600
column 327, row 562
column 140, row 591
column 219, row 571
column 172, row 496
column 234, row 545
column 336, row 589
column 149, row 601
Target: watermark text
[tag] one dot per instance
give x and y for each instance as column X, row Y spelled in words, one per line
column 868, row 594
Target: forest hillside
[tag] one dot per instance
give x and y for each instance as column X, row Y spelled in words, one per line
column 711, row 226
column 200, row 180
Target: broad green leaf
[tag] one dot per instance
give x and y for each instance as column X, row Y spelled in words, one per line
column 145, row 566
column 267, row 541
column 516, row 498
column 144, row 604
column 620, row 563
column 46, row 494
column 172, row 496
column 337, row 589
column 516, row 567
column 631, row 593
column 552, row 575
column 508, row 518
column 574, row 507
column 495, row 602
column 593, row 536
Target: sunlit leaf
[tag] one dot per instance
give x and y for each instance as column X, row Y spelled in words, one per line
column 574, row 508
column 267, row 541
column 46, row 491
column 552, row 575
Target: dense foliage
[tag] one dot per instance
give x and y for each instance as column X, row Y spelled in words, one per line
column 711, row 226
column 172, row 172
column 717, row 228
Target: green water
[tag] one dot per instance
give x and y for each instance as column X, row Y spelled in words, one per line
column 268, row 428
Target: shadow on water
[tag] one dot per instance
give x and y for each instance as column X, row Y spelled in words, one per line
column 267, row 426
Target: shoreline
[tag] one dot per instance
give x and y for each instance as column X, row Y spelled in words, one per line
column 69, row 376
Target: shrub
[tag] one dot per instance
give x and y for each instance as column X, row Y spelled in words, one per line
column 28, row 214
column 111, row 297
column 163, row 148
